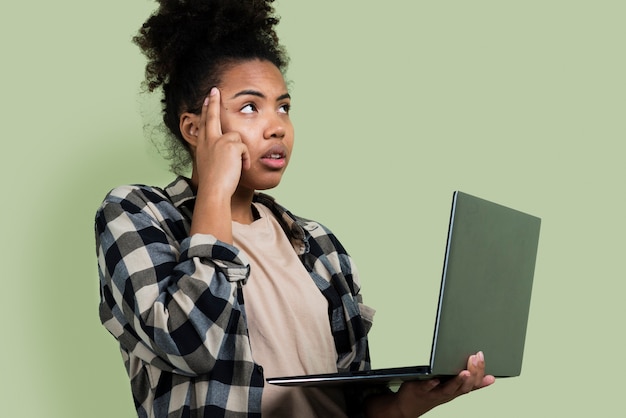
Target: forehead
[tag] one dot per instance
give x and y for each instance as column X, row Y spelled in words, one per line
column 262, row 76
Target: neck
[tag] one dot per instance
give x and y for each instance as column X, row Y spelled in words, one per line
column 241, row 206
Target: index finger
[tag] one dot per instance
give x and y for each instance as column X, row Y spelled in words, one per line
column 211, row 114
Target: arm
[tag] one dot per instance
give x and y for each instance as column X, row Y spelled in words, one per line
column 219, row 160
column 172, row 302
column 414, row 399
column 176, row 302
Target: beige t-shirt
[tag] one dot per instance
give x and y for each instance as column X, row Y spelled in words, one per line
column 287, row 321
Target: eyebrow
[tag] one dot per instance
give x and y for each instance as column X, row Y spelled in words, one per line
column 259, row 94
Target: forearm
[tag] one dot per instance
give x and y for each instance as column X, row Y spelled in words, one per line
column 172, row 314
column 212, row 216
column 166, row 295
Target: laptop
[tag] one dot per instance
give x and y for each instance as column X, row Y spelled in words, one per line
column 484, row 298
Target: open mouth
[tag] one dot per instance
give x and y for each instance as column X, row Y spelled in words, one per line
column 275, row 157
column 277, row 152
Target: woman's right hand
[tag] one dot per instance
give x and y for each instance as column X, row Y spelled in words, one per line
column 219, row 159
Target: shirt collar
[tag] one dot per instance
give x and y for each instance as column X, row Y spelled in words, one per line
column 294, row 227
column 180, row 191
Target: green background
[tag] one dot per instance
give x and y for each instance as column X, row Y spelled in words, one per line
column 396, row 104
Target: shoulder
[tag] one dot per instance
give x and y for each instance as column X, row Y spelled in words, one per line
column 132, row 199
column 141, row 196
column 138, row 194
column 149, row 203
column 321, row 237
column 318, row 236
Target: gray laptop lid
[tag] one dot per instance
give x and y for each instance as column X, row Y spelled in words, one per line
column 484, row 297
column 486, row 287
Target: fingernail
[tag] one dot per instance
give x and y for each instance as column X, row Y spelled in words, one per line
column 481, row 356
column 213, row 91
column 475, row 360
column 206, row 101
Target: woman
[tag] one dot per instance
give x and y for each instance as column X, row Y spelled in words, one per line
column 176, row 264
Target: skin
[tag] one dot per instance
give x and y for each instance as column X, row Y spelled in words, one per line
column 244, row 121
column 414, row 399
column 242, row 142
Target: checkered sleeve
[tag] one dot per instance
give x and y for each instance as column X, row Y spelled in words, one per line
column 170, row 299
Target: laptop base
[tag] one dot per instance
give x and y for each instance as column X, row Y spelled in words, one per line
column 391, row 376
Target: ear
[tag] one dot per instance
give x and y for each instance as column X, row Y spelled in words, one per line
column 189, row 126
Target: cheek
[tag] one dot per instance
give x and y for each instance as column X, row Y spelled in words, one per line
column 235, row 124
column 291, row 136
column 226, row 122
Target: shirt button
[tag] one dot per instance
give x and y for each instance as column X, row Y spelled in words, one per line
column 259, row 368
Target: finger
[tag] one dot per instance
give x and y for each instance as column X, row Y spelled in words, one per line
column 203, row 117
column 467, row 383
column 487, row 381
column 212, row 108
column 245, row 158
column 476, row 367
column 420, row 387
column 454, row 387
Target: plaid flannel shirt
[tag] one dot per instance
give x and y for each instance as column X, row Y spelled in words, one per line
column 174, row 302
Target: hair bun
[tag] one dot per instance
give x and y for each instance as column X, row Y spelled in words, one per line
column 179, row 28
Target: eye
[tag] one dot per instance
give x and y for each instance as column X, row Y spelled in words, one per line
column 249, row 108
column 285, row 108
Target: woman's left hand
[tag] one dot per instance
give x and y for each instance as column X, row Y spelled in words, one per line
column 415, row 398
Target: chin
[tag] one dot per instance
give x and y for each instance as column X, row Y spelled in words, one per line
column 267, row 183
column 268, row 186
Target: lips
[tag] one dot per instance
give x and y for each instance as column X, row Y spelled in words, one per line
column 276, row 152
column 275, row 157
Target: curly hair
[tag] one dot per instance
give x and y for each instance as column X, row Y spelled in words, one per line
column 189, row 43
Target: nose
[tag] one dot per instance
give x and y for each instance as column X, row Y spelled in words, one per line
column 275, row 128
